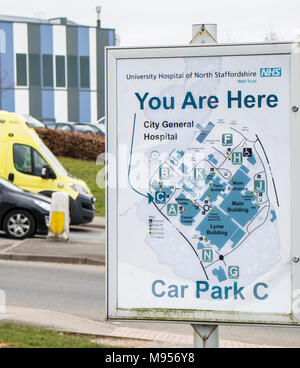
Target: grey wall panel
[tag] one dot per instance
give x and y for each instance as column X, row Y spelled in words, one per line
column 72, row 73
column 73, row 104
column 34, row 51
column 72, row 40
column 34, row 39
column 102, row 41
column 35, row 102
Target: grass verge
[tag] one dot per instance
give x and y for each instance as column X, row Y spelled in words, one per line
column 19, row 336
column 87, row 171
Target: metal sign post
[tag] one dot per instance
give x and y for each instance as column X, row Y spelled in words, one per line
column 206, row 336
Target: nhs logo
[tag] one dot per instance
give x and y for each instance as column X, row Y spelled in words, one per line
column 270, row 72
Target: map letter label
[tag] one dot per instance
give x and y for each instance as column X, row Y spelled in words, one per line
column 207, row 255
column 237, row 158
column 164, row 173
column 233, row 272
column 199, row 174
column 259, row 186
column 227, row 140
column 172, row 209
column 160, row 197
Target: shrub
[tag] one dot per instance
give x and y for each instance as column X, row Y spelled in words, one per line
column 74, row 145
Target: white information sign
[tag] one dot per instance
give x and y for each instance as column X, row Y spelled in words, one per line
column 200, row 198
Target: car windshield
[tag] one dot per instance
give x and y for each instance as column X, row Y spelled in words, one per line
column 53, row 160
column 10, row 186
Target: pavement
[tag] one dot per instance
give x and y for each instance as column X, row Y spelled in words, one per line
column 40, row 250
column 86, row 246
column 98, row 223
column 113, row 334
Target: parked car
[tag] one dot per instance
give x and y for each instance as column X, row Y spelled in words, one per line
column 28, row 163
column 22, row 214
column 33, row 122
column 97, row 129
column 73, row 127
column 84, row 128
column 68, row 127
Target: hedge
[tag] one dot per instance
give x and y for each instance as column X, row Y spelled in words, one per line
column 75, row 145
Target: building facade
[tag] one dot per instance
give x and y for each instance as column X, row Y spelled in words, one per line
column 53, row 69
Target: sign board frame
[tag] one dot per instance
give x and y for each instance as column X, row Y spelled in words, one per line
column 196, row 316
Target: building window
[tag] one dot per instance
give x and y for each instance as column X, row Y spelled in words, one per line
column 72, row 71
column 84, row 72
column 35, row 70
column 21, row 70
column 48, row 70
column 60, row 71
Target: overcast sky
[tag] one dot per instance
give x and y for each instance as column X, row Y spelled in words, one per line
column 163, row 22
